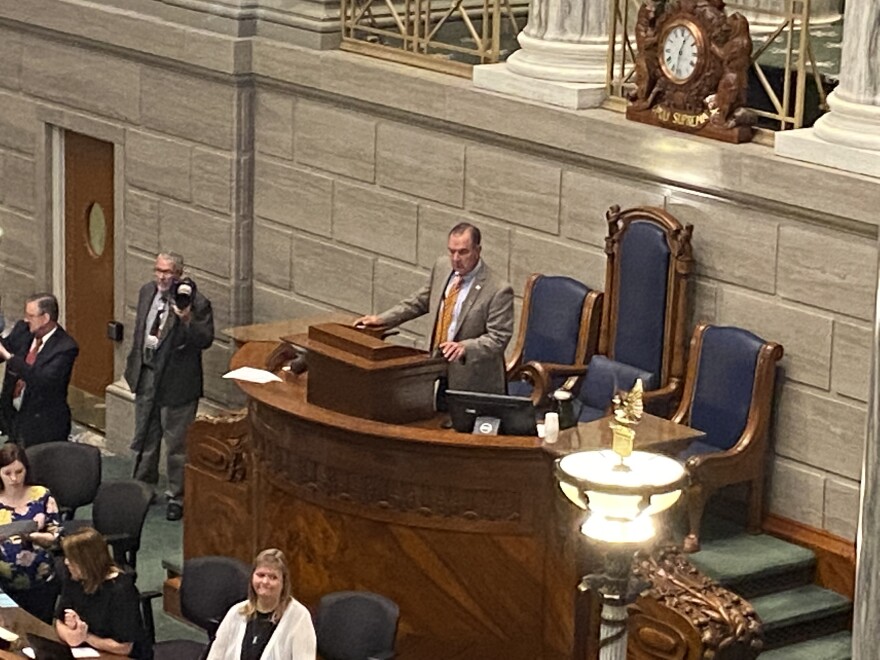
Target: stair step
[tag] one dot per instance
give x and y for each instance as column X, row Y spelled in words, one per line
column 802, row 613
column 832, row 647
column 755, row 564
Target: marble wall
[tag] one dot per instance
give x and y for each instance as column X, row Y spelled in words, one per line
column 327, row 181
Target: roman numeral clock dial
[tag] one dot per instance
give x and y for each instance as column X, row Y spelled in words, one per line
column 680, row 53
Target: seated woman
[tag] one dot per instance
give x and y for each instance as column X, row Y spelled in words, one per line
column 27, row 571
column 270, row 624
column 99, row 604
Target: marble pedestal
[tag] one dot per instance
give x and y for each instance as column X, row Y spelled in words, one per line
column 803, row 144
column 847, row 138
column 575, row 96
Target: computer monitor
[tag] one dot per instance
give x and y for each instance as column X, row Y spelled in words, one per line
column 516, row 414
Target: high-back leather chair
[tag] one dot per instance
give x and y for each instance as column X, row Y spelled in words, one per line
column 354, row 625
column 649, row 262
column 209, row 586
column 70, row 470
column 119, row 512
column 728, row 394
column 558, row 333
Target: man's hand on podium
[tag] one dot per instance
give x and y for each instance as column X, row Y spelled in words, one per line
column 369, row 320
column 452, row 350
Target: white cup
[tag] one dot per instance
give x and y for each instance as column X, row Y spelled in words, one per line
column 551, row 427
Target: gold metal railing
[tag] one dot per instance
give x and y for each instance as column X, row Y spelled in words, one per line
column 790, row 27
column 449, row 36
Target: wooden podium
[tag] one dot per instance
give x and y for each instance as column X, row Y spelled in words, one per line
column 358, row 374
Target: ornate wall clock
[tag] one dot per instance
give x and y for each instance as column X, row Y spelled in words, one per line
column 691, row 70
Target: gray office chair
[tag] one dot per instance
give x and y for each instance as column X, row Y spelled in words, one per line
column 356, row 625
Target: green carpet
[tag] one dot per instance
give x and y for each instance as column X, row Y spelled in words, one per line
column 832, row 647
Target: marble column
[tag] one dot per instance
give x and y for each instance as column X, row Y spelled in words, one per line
column 563, row 55
column 866, row 641
column 848, row 137
column 822, row 13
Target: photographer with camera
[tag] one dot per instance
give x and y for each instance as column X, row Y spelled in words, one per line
column 164, row 370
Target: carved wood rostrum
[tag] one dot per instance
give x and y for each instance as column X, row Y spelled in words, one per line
column 684, row 615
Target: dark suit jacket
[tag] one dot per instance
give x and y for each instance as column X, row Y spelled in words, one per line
column 178, row 362
column 484, row 327
column 44, row 414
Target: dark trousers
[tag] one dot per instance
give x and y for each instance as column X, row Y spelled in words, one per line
column 153, row 424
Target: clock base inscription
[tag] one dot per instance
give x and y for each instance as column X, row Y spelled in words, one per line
column 695, row 124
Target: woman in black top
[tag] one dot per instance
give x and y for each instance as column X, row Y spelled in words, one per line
column 99, row 604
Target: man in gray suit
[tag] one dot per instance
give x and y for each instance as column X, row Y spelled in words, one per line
column 164, row 370
column 472, row 308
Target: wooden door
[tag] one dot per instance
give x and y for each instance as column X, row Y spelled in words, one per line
column 88, row 247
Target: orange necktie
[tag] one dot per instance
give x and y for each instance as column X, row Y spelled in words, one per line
column 447, row 310
column 30, row 359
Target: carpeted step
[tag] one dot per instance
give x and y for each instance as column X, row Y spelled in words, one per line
column 799, row 614
column 832, row 647
column 755, row 564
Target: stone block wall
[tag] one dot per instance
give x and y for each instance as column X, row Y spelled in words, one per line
column 297, row 181
column 184, row 151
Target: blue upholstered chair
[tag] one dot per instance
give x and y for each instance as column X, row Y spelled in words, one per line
column 558, row 333
column 728, row 394
column 356, row 625
column 643, row 317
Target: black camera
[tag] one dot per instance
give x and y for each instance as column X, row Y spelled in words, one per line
column 183, row 291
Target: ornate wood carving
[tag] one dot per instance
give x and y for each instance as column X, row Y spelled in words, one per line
column 217, row 493
column 304, row 461
column 691, row 70
column 685, row 615
column 219, row 445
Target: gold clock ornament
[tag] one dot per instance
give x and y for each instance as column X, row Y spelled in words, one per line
column 691, row 69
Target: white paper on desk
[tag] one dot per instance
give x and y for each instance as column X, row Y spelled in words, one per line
column 252, row 375
column 6, row 601
column 78, row 652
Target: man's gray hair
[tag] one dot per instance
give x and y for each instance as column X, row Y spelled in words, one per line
column 175, row 259
column 46, row 304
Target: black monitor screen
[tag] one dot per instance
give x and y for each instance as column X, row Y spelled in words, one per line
column 517, row 414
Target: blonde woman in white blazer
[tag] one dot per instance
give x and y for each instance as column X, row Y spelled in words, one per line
column 270, row 624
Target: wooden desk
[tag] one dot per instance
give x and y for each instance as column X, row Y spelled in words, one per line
column 272, row 332
column 653, row 434
column 21, row 623
column 468, row 534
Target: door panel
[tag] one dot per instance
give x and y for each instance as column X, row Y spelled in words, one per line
column 88, row 246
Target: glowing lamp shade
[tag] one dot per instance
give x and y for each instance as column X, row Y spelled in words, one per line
column 621, row 494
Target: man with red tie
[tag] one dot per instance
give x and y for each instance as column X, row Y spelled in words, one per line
column 472, row 308
column 39, row 357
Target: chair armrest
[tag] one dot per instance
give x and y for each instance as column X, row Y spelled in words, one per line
column 211, row 628
column 663, row 402
column 116, row 538
column 147, row 613
column 540, row 374
column 726, row 467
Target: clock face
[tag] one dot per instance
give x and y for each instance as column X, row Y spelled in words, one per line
column 680, row 53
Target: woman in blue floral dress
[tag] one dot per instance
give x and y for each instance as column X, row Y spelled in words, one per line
column 27, row 567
